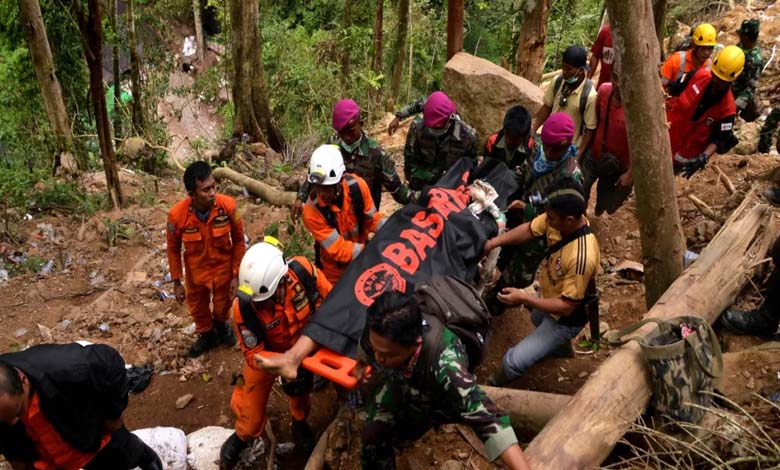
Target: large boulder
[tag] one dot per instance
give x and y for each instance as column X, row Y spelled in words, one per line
column 484, row 91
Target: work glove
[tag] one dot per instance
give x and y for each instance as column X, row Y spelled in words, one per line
column 741, row 103
column 694, row 165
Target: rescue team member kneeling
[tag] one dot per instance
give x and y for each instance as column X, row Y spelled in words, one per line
column 701, row 119
column 61, row 408
column 411, row 398
column 210, row 228
column 275, row 301
column 567, row 282
column 339, row 213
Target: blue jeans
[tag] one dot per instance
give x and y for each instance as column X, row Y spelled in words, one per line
column 548, row 336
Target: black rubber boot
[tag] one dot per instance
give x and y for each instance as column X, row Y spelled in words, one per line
column 752, row 322
column 773, row 196
column 495, row 307
column 225, row 333
column 206, row 341
column 303, row 437
column 231, row 451
column 498, row 378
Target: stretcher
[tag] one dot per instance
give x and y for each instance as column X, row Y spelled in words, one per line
column 329, row 365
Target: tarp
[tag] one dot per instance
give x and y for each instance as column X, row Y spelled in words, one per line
column 438, row 236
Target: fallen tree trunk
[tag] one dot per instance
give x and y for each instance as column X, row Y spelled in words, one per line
column 586, row 430
column 269, row 194
column 528, row 411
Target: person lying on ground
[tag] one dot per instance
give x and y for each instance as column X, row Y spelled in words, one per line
column 412, row 398
column 568, row 275
column 574, row 94
column 209, row 227
column 679, row 67
column 607, row 161
column 275, row 301
column 701, row 119
column 436, row 140
column 61, row 408
column 553, row 158
column 340, row 212
column 363, row 156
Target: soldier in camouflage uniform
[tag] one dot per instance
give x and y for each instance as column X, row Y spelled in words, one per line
column 553, row 158
column 412, row 398
column 363, row 156
column 772, row 122
column 744, row 87
column 436, row 140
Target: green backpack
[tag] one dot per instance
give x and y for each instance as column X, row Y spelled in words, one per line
column 683, row 371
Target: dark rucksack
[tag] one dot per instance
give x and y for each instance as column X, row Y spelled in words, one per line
column 449, row 302
column 586, row 89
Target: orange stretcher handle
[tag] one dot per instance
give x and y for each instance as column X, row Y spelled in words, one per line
column 330, row 365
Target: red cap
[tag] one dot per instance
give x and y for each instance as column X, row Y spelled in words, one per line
column 559, row 127
column 345, row 113
column 438, row 109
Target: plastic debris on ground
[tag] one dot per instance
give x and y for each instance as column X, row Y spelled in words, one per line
column 139, row 377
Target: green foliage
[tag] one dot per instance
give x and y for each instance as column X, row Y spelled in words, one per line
column 571, row 22
column 297, row 240
column 18, row 187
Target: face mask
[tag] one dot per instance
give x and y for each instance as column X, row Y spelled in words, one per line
column 573, row 79
column 350, row 147
column 437, row 132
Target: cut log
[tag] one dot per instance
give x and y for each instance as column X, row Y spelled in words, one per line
column 317, row 458
column 528, row 411
column 270, row 195
column 586, row 430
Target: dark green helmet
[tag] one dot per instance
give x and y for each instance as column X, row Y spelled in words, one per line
column 749, row 27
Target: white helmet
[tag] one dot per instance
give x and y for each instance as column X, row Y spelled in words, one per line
column 326, row 165
column 262, row 267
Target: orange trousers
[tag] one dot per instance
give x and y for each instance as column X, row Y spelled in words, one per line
column 249, row 402
column 200, row 298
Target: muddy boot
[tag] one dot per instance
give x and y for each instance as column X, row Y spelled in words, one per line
column 206, row 341
column 231, row 451
column 498, row 378
column 225, row 333
column 303, row 437
column 751, row 322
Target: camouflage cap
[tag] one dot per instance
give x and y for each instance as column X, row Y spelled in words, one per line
column 749, row 27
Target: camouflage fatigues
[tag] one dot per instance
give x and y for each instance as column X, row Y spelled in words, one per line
column 367, row 159
column 415, row 107
column 523, row 260
column 744, row 87
column 408, row 402
column 428, row 156
column 770, row 126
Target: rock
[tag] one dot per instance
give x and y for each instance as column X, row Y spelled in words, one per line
column 291, row 183
column 169, row 443
column 184, row 400
column 257, row 148
column 132, row 148
column 484, row 91
column 203, row 447
column 45, row 333
column 452, row 465
column 748, row 139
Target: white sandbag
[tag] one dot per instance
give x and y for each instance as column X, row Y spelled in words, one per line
column 169, row 443
column 203, row 447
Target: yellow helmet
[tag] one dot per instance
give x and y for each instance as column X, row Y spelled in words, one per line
column 728, row 64
column 705, row 35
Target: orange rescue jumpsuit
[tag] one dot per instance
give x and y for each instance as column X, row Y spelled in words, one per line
column 282, row 323
column 341, row 240
column 53, row 452
column 677, row 64
column 212, row 253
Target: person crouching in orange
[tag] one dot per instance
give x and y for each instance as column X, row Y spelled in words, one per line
column 212, row 232
column 276, row 298
column 339, row 213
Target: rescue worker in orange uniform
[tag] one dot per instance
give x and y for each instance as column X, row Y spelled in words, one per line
column 701, row 119
column 61, row 408
column 339, row 212
column 276, row 298
column 678, row 69
column 212, row 232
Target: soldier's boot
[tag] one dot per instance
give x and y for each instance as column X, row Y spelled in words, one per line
column 764, row 141
column 767, row 130
column 230, row 452
column 206, row 341
column 495, row 307
column 303, row 437
column 498, row 378
column 759, row 322
column 225, row 333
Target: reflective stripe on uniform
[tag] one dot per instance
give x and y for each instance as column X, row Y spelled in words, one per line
column 381, row 223
column 370, row 213
column 356, row 250
column 330, row 239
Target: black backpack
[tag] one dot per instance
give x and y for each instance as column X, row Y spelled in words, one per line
column 449, row 302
